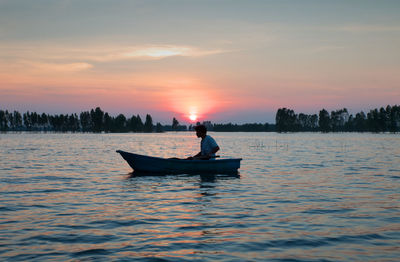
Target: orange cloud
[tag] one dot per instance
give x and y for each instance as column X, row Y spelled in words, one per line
column 60, row 67
column 59, row 54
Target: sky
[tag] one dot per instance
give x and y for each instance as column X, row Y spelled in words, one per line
column 222, row 61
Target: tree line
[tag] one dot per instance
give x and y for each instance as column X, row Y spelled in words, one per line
column 255, row 127
column 286, row 120
column 376, row 120
column 95, row 120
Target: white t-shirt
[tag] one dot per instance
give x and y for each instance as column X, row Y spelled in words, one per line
column 207, row 145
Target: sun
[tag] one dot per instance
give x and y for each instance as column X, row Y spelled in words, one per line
column 193, row 117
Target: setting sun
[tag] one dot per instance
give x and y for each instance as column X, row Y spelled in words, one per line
column 193, row 117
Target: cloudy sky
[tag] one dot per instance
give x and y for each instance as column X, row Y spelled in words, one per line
column 224, row 61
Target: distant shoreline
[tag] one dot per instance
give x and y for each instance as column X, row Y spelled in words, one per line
column 96, row 121
column 191, row 131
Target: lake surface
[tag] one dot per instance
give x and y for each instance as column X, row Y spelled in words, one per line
column 298, row 197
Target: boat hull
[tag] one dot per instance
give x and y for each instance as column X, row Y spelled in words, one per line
column 149, row 164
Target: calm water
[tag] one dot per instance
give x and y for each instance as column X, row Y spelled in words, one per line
column 299, row 197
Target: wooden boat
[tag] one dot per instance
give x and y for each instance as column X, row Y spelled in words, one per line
column 150, row 164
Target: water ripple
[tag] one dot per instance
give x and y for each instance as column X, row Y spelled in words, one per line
column 299, row 197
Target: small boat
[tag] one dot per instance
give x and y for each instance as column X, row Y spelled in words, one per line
column 150, row 164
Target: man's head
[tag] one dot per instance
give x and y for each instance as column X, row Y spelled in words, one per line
column 201, row 130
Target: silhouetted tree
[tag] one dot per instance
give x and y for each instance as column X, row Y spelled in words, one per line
column 10, row 120
column 140, row 125
column 339, row 119
column 85, row 121
column 373, row 121
column 175, row 124
column 97, row 119
column 34, row 119
column 27, row 120
column 307, row 122
column 108, row 123
column 285, row 120
column 72, row 123
column 384, row 119
column 324, row 121
column 360, row 124
column 120, row 123
column 44, row 121
column 17, row 120
column 3, row 121
column 394, row 119
column 159, row 128
column 148, row 125
column 132, row 124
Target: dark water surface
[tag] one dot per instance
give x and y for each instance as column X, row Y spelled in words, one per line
column 299, row 197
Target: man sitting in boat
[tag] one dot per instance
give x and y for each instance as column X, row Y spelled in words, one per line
column 208, row 145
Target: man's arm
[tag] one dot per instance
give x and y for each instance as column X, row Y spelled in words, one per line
column 215, row 150
column 195, row 156
column 198, row 154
